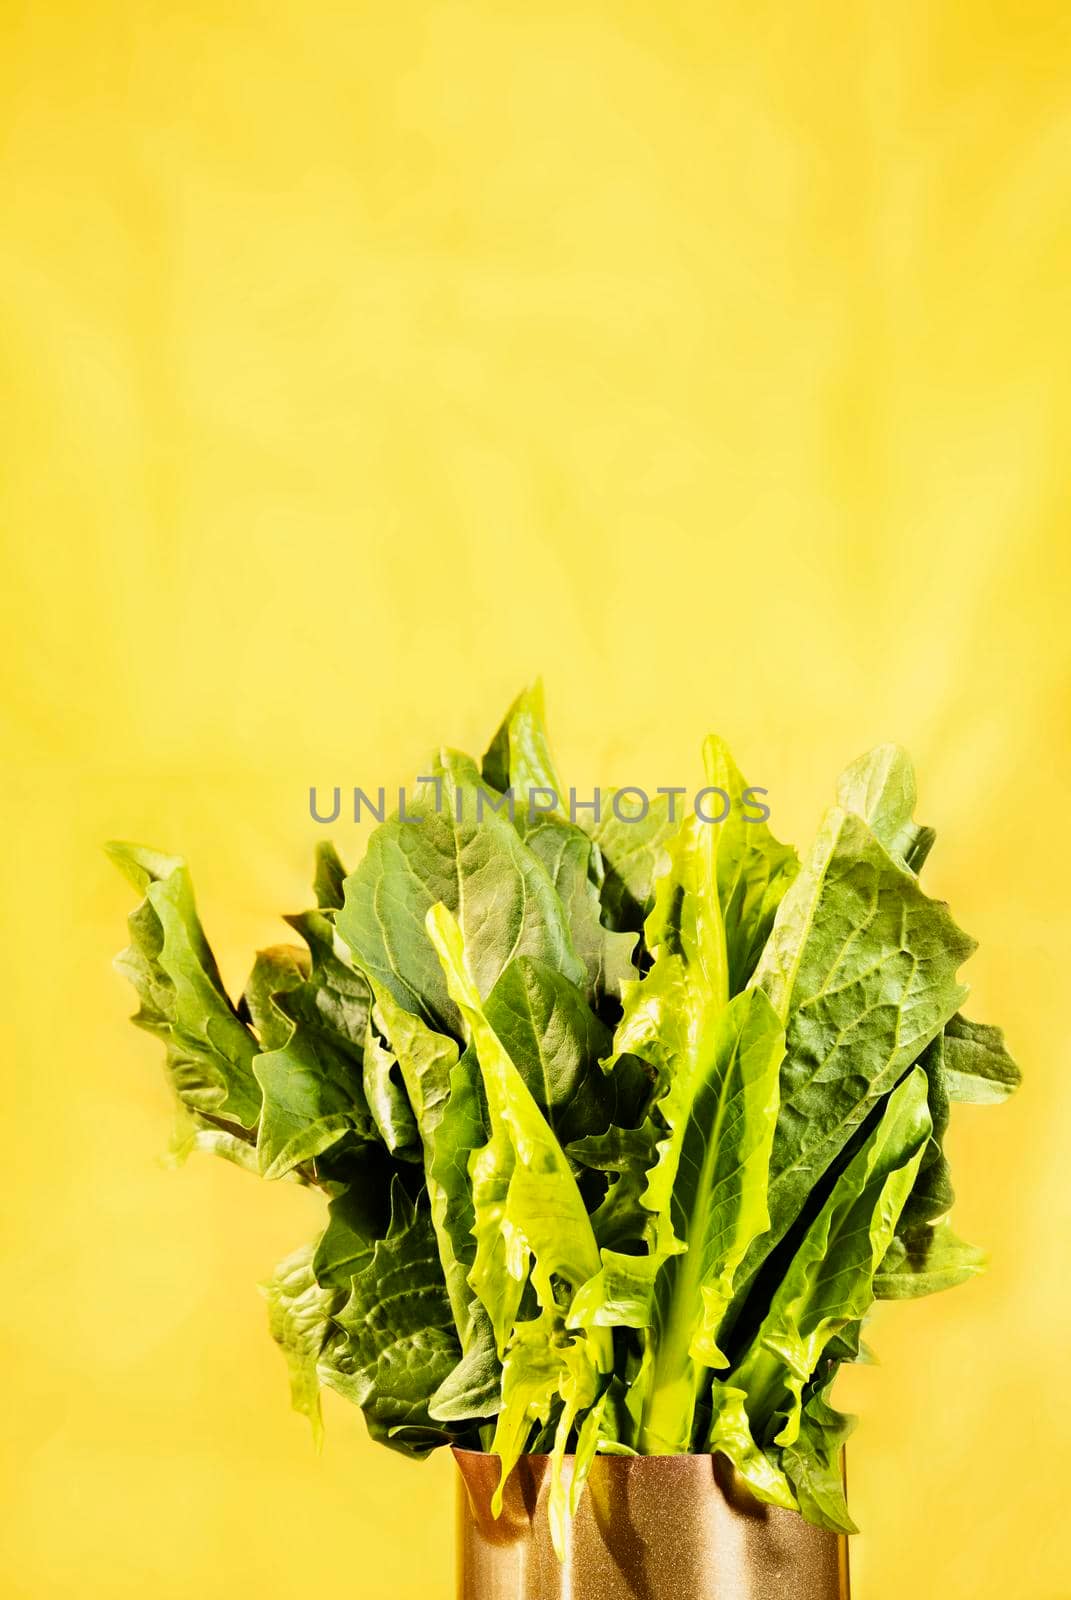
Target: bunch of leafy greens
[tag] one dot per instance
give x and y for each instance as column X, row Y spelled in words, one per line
column 622, row 1127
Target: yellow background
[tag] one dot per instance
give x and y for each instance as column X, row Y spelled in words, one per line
column 364, row 360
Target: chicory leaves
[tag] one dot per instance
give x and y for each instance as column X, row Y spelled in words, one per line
column 622, row 1125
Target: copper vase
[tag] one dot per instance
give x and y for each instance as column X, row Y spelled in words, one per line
column 648, row 1528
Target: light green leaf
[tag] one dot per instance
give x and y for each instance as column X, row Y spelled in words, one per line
column 880, row 787
column 716, row 1204
column 578, row 1387
column 299, row 1317
column 731, row 1436
column 210, row 1051
column 620, row 1295
column 528, row 1209
column 544, row 1370
column 814, row 1465
column 519, row 755
column 712, row 907
column 194, row 1130
column 531, row 1370
column 530, row 1222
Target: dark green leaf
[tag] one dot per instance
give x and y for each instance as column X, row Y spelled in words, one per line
column 861, row 966
column 556, row 1043
column 397, row 1341
column 477, row 866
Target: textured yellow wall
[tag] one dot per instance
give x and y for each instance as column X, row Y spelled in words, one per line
column 366, row 360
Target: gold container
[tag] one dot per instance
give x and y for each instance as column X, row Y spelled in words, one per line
column 647, row 1528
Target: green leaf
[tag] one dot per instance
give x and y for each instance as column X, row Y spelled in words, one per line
column 330, row 878
column 196, row 1131
column 814, row 1465
column 530, row 1222
column 473, row 1389
column 519, row 754
column 926, row 1259
column 299, row 1317
column 387, row 1100
column 448, row 1114
column 732, row 1437
column 977, row 1067
column 530, row 1217
column 926, row 1255
column 520, row 758
column 932, row 1195
column 715, row 1197
column 880, row 787
column 357, row 1218
column 276, row 970
column 335, row 1000
column 753, row 868
column 397, row 1340
column 556, row 1041
column 313, row 1084
column 479, row 868
column 631, row 840
column 425, row 1061
column 716, row 1064
column 664, row 1239
column 568, row 856
column 828, row 1285
column 621, row 1222
column 311, row 1099
column 210, row 1051
column 861, row 967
